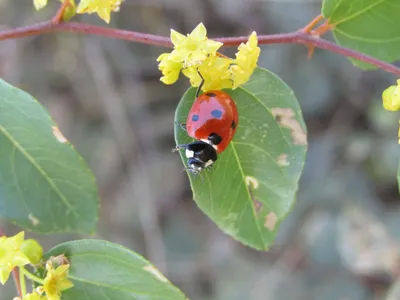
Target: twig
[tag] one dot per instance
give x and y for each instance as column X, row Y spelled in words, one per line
column 311, row 25
column 156, row 40
column 57, row 19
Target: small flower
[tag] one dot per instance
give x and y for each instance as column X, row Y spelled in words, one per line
column 39, row 4
column 215, row 72
column 168, row 68
column 102, row 7
column 391, row 97
column 246, row 61
column 193, row 49
column 56, row 281
column 11, row 255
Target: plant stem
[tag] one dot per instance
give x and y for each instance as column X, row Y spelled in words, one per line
column 311, row 25
column 57, row 19
column 144, row 38
column 31, row 276
column 22, row 283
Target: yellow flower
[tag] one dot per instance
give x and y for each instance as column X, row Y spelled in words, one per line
column 34, row 296
column 215, row 72
column 39, row 4
column 56, row 281
column 11, row 255
column 102, row 7
column 391, row 97
column 168, row 68
column 195, row 53
column 246, row 61
column 193, row 49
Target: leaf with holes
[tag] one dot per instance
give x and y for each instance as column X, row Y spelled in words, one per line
column 252, row 186
column 45, row 185
column 369, row 26
column 103, row 270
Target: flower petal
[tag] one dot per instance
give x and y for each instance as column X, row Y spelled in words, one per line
column 176, row 37
column 39, row 4
column 199, row 33
column 211, row 46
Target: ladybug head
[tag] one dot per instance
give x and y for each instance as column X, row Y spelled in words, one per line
column 200, row 155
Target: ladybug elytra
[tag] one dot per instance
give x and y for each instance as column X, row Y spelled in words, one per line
column 212, row 121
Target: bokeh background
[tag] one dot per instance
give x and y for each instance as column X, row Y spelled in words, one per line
column 342, row 240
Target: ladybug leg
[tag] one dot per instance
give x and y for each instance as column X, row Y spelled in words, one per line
column 200, row 85
column 178, row 147
column 181, row 125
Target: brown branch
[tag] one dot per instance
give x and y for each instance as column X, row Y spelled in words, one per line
column 144, row 38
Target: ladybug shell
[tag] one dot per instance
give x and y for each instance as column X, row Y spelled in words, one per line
column 213, row 112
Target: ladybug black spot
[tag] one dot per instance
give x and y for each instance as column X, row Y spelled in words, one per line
column 211, row 95
column 195, row 118
column 233, row 125
column 214, row 138
column 216, row 113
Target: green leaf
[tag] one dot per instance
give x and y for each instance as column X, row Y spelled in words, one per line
column 252, row 186
column 103, row 270
column 368, row 26
column 45, row 185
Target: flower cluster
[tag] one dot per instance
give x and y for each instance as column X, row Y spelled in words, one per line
column 11, row 255
column 102, row 7
column 391, row 100
column 15, row 252
column 195, row 54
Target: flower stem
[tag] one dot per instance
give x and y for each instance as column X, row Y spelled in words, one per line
column 57, row 19
column 31, row 276
column 22, row 282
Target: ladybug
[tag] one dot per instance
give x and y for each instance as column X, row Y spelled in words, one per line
column 212, row 121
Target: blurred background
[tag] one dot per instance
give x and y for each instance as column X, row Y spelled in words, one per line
column 342, row 241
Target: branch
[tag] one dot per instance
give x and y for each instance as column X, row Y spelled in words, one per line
column 144, row 38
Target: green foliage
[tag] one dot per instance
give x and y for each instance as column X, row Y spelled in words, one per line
column 252, row 186
column 45, row 186
column 369, row 26
column 103, row 270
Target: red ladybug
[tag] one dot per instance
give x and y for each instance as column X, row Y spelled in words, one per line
column 212, row 121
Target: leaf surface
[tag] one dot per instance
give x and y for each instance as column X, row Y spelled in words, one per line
column 104, row 270
column 252, row 186
column 45, row 185
column 368, row 26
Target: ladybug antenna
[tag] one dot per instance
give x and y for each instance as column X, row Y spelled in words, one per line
column 201, row 83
